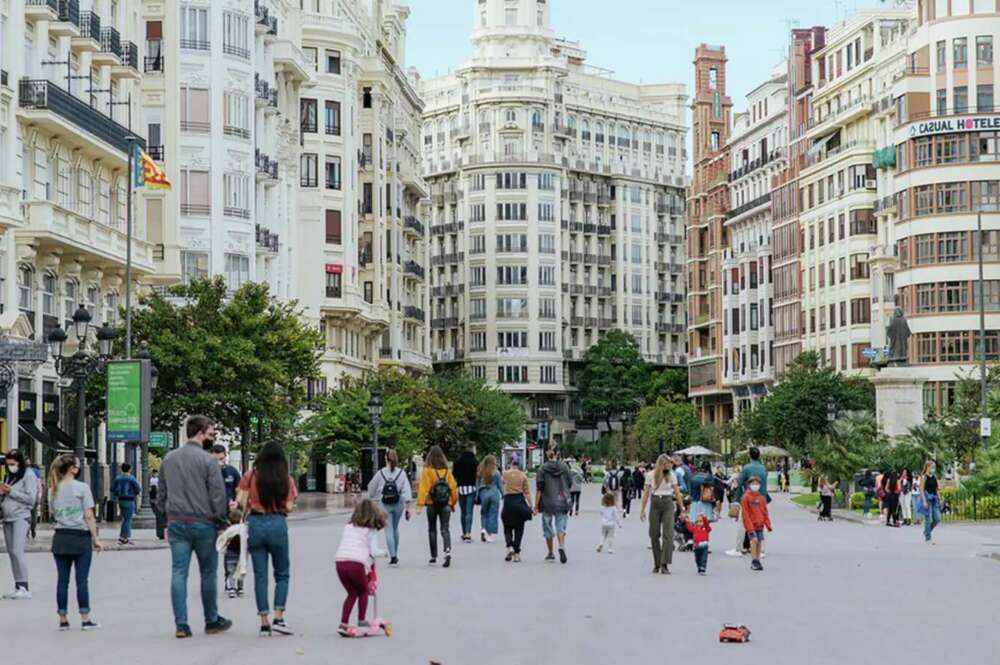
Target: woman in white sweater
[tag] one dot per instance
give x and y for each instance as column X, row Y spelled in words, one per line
column 355, row 557
column 18, row 497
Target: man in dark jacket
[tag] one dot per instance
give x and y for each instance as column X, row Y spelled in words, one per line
column 553, row 502
column 193, row 496
column 464, row 470
column 125, row 489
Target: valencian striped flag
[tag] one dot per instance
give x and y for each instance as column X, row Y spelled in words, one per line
column 146, row 173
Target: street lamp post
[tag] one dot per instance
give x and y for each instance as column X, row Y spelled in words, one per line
column 79, row 367
column 145, row 518
column 375, row 409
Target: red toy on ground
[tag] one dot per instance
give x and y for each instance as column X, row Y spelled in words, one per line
column 732, row 632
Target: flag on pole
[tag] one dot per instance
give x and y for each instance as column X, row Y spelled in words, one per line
column 146, row 173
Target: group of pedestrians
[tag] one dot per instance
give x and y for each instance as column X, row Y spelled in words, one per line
column 904, row 498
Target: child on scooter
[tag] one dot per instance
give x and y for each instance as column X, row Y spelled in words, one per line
column 355, row 557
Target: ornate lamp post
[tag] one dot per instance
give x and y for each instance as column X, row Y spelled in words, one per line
column 375, row 409
column 79, row 367
column 146, row 518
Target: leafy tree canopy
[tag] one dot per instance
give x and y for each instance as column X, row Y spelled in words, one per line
column 614, row 378
column 670, row 420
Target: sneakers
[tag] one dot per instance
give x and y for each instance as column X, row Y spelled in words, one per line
column 734, row 553
column 482, row 535
column 64, row 626
column 664, row 569
column 510, row 554
column 550, row 557
column 517, row 558
column 183, row 631
column 231, row 593
column 599, row 548
column 220, row 625
column 490, row 538
column 342, row 629
column 279, row 626
column 90, row 624
column 20, row 593
column 394, row 561
column 265, row 630
column 755, row 565
column 433, row 561
column 447, row 561
column 562, row 555
column 701, row 571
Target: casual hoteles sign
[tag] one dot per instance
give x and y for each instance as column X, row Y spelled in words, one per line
column 954, row 125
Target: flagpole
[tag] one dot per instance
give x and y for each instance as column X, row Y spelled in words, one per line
column 128, row 249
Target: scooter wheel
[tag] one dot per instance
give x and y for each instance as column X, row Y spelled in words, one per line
column 388, row 629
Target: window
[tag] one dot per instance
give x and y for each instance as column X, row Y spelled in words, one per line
column 984, row 98
column 960, row 99
column 951, row 197
column 512, row 212
column 942, row 101
column 195, row 198
column 942, row 48
column 512, row 180
column 960, row 52
column 307, row 116
column 237, row 271
column 512, row 373
column 308, row 170
column 548, row 374
column 547, row 340
column 984, row 50
column 236, row 115
column 860, row 311
column 334, row 284
column 512, row 339
column 546, row 275
column 194, row 265
column 194, row 28
column 512, row 275
column 546, row 212
column 512, row 242
column 71, row 295
column 332, row 110
column 546, row 308
column 953, row 247
column 333, row 227
column 332, row 172
column 950, row 149
column 332, row 62
column 546, row 243
column 546, row 181
column 510, row 16
column 195, row 110
column 236, row 195
column 512, row 308
column 236, row 35
column 477, row 275
column 477, row 341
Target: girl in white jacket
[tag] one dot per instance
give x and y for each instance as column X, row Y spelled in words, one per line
column 355, row 557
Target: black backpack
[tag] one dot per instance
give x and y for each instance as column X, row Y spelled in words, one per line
column 441, row 492
column 613, row 483
column 390, row 491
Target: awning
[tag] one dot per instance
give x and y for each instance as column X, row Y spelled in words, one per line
column 60, row 436
column 36, row 434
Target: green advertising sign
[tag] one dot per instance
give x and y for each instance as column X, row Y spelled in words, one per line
column 160, row 440
column 125, row 403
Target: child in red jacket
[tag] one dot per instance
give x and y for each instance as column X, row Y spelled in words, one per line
column 699, row 531
column 755, row 520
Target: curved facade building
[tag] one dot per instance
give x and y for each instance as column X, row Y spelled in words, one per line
column 556, row 210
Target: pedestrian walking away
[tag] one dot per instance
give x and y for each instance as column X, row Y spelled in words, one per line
column 628, row 490
column 613, row 482
column 489, row 495
column 552, row 501
column 390, row 487
column 75, row 538
column 230, row 474
column 929, row 501
column 662, row 494
column 355, row 558
column 125, row 489
column 753, row 506
column 575, row 488
column 611, row 519
column 161, row 519
column 867, row 485
column 826, row 492
column 466, row 467
column 268, row 492
column 19, row 494
column 438, row 493
column 193, row 497
column 516, row 508
column 890, row 498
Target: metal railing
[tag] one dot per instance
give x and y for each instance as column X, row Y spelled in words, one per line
column 51, row 4
column 130, row 55
column 195, row 209
column 69, row 11
column 155, row 151
column 90, row 25
column 152, row 65
column 196, row 44
column 111, row 41
column 195, row 126
column 238, row 51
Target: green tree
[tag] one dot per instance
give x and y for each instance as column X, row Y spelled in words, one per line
column 493, row 418
column 854, row 444
column 960, row 419
column 442, row 420
column 613, row 380
column 233, row 357
column 668, row 383
column 670, row 420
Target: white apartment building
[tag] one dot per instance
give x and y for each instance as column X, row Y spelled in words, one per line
column 838, row 185
column 757, row 151
column 556, row 210
column 70, row 102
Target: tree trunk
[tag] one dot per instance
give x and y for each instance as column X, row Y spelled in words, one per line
column 245, row 445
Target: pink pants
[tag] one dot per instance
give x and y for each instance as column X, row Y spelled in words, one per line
column 354, row 577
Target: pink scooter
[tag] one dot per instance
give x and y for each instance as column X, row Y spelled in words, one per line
column 376, row 625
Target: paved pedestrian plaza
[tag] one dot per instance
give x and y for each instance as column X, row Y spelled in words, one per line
column 834, row 593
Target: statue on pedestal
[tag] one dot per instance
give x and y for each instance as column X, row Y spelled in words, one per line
column 897, row 335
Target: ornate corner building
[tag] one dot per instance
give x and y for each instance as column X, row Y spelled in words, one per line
column 556, row 211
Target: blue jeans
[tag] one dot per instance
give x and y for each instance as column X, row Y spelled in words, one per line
column 127, row 506
column 198, row 538
column 560, row 520
column 489, row 510
column 64, row 564
column 932, row 516
column 393, row 514
column 268, row 535
column 868, row 503
column 467, row 504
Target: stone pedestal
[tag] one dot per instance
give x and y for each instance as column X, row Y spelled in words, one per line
column 899, row 400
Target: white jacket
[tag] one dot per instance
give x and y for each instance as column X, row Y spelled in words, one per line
column 359, row 544
column 222, row 542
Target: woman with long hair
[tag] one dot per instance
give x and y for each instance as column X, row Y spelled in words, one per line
column 663, row 492
column 929, row 499
column 438, row 492
column 267, row 494
column 490, row 493
column 18, row 497
column 391, row 488
column 75, row 539
column 890, row 498
column 826, row 493
column 905, row 501
column 516, row 508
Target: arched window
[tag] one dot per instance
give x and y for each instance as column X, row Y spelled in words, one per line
column 537, row 121
column 110, row 308
column 49, row 288
column 599, row 131
column 26, row 287
column 585, row 130
column 71, row 297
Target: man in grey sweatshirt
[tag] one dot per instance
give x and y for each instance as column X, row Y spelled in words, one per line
column 192, row 495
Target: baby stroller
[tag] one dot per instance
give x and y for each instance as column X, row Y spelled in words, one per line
column 682, row 538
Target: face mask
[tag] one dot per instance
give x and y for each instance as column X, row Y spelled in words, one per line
column 12, row 468
column 754, row 487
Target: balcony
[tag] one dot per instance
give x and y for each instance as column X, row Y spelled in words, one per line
column 89, row 38
column 153, row 65
column 236, row 51
column 156, row 152
column 266, row 239
column 412, row 268
column 443, row 259
column 289, row 58
column 196, row 44
column 445, row 322
column 195, row 126
column 413, row 224
column 68, row 23
column 110, row 50
column 48, row 106
column 196, row 209
column 447, row 290
column 749, row 205
column 42, row 10
column 129, row 68
column 3, row 78
column 444, row 229
column 411, row 312
column 262, row 18
column 449, row 356
column 237, row 132
column 238, row 213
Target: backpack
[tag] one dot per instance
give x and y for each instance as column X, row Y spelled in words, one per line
column 390, row 491
column 613, row 483
column 441, row 492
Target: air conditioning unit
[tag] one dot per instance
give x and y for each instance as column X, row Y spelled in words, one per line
column 871, row 184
